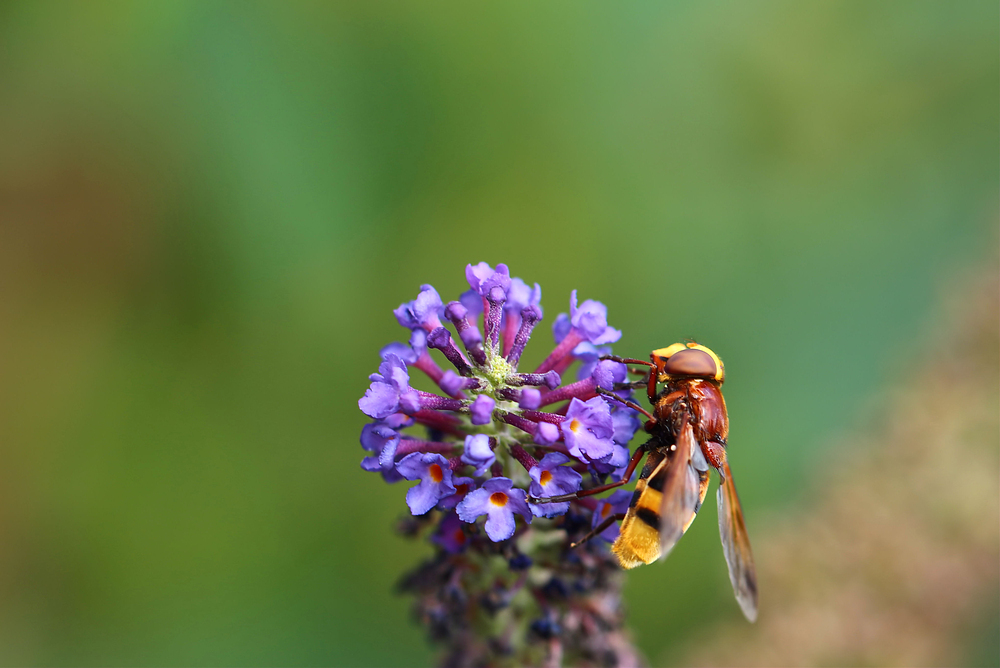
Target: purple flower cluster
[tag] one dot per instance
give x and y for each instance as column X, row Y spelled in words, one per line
column 493, row 434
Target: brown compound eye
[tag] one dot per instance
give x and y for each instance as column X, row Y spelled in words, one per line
column 691, row 362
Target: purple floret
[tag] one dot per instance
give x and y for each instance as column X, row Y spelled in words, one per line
column 482, row 278
column 499, row 500
column 434, row 474
column 546, row 433
column 478, row 453
column 482, row 409
column 452, row 383
column 520, row 296
column 589, row 355
column 530, row 398
column 390, row 391
column 472, row 301
column 550, row 478
column 400, row 350
column 606, row 373
column 561, row 327
column 423, row 312
column 382, row 439
column 588, row 429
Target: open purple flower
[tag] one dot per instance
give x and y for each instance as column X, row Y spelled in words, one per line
column 615, row 504
column 587, row 323
column 434, row 474
column 499, row 500
column 588, row 429
column 390, row 391
column 618, row 459
column 380, row 438
column 462, row 487
column 626, row 423
column 591, row 320
column 450, row 534
column 551, row 478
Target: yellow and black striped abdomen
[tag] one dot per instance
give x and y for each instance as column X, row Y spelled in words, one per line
column 639, row 538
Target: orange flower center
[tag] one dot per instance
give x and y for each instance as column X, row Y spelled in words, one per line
column 437, row 475
column 574, row 425
column 498, row 499
column 459, row 536
column 544, row 478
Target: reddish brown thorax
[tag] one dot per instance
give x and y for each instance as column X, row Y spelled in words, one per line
column 699, row 401
column 692, row 376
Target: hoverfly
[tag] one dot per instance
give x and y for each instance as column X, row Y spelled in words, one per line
column 687, row 435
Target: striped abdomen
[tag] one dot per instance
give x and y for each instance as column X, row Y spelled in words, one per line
column 639, row 538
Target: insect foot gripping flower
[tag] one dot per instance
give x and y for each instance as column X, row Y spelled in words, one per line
column 505, row 587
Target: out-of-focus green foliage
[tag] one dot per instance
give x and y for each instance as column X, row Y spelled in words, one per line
column 208, row 211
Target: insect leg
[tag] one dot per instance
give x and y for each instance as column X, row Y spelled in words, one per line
column 631, row 404
column 639, row 452
column 626, row 360
column 605, row 523
column 632, row 385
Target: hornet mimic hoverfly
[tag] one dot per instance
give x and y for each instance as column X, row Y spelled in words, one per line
column 687, row 435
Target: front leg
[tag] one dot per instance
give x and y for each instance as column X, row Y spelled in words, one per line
column 636, row 458
column 631, row 385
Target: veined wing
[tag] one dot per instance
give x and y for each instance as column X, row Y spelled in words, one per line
column 680, row 492
column 736, row 545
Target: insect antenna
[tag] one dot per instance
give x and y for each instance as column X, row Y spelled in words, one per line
column 631, row 404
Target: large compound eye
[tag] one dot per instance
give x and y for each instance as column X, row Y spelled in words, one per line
column 691, row 362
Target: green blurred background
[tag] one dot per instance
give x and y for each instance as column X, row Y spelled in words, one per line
column 209, row 209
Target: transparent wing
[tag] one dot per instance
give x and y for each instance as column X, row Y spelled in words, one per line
column 736, row 545
column 680, row 493
column 703, row 481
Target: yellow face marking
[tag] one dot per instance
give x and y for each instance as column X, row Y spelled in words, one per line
column 498, row 499
column 669, row 350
